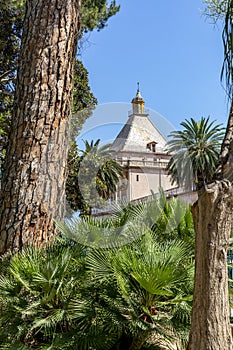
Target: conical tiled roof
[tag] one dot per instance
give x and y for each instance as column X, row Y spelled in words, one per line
column 136, row 134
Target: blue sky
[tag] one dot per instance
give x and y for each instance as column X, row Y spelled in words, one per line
column 170, row 48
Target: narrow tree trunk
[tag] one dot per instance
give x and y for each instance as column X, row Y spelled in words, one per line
column 33, row 184
column 139, row 340
column 212, row 213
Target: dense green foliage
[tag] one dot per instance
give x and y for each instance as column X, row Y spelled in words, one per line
column 10, row 32
column 93, row 176
column 80, row 296
column 196, row 150
column 167, row 221
column 96, row 13
column 11, row 21
column 83, row 101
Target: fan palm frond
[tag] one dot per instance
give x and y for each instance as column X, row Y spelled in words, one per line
column 155, row 282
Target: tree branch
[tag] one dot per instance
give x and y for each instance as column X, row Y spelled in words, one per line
column 5, row 74
column 225, row 167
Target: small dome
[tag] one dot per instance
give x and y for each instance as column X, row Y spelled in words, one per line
column 138, row 103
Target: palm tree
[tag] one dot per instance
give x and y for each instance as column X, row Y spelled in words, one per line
column 145, row 252
column 93, row 177
column 101, row 296
column 195, row 152
column 155, row 285
column 109, row 170
column 48, row 300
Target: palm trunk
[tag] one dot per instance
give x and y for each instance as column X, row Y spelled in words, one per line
column 139, row 340
column 33, row 185
column 210, row 328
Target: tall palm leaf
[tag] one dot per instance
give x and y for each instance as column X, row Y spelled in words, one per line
column 227, row 69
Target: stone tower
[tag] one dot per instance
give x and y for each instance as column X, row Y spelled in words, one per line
column 141, row 149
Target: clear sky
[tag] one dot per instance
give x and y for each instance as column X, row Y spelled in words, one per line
column 170, row 48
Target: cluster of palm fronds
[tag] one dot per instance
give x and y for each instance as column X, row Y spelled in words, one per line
column 195, row 152
column 130, row 295
column 93, row 176
column 167, row 220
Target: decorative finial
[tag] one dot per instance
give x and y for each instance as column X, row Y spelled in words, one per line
column 138, row 90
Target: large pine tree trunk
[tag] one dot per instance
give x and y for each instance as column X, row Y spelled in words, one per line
column 210, row 329
column 33, row 185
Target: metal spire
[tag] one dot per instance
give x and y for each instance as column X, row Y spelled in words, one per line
column 138, row 90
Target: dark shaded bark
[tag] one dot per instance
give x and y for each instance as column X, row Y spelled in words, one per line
column 212, row 213
column 33, row 185
column 139, row 340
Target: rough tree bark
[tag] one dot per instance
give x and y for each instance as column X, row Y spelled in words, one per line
column 33, row 185
column 212, row 214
